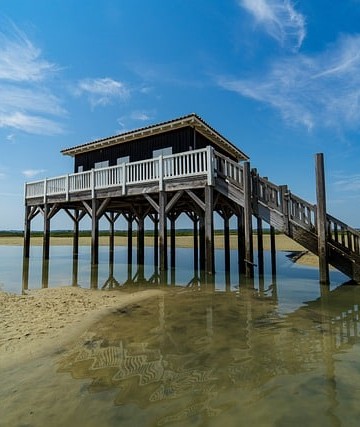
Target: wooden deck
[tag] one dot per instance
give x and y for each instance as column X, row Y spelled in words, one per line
column 198, row 183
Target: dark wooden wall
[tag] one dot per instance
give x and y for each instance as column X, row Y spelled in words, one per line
column 180, row 140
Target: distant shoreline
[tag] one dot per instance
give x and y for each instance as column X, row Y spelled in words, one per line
column 283, row 243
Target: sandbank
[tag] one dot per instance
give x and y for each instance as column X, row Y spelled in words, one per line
column 44, row 321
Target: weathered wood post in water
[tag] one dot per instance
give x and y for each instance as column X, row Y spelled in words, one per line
column 321, row 220
column 249, row 255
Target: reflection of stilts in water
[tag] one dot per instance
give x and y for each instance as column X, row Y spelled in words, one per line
column 329, row 348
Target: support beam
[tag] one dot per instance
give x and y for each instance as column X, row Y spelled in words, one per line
column 209, row 230
column 227, row 243
column 241, row 241
column 27, row 232
column 156, row 241
column 111, row 237
column 202, row 242
column 162, row 231
column 249, row 256
column 260, row 245
column 172, row 241
column 76, row 235
column 141, row 242
column 94, row 233
column 273, row 252
column 46, row 235
column 321, row 218
column 129, row 219
column 196, row 244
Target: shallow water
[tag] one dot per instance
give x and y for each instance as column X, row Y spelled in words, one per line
column 278, row 351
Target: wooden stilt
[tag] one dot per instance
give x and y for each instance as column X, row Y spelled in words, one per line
column 45, row 273
column 196, row 244
column 75, row 271
column 76, row 234
column 156, row 241
column 241, row 241
column 202, row 242
column 249, row 256
column 321, row 219
column 227, row 243
column 111, row 237
column 273, row 251
column 260, row 246
column 209, row 230
column 94, row 233
column 46, row 235
column 27, row 232
column 129, row 238
column 140, row 242
column 162, row 231
column 172, row 241
column 25, row 274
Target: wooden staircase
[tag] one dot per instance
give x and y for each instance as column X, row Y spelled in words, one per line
column 291, row 215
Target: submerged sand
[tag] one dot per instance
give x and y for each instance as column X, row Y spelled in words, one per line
column 43, row 321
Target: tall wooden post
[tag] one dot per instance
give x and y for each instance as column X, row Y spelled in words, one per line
column 76, row 234
column 27, row 232
column 273, row 252
column 260, row 245
column 196, row 244
column 249, row 256
column 111, row 238
column 172, row 241
column 241, row 241
column 129, row 219
column 209, row 230
column 156, row 241
column 202, row 242
column 162, row 231
column 94, row 233
column 321, row 218
column 46, row 235
column 227, row 243
column 141, row 241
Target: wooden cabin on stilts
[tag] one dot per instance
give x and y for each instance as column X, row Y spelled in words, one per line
column 184, row 166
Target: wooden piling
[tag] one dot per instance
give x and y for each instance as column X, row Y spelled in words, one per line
column 209, row 230
column 241, row 241
column 140, row 241
column 321, row 219
column 227, row 243
column 163, row 231
column 273, row 251
column 260, row 244
column 249, row 256
column 27, row 232
column 94, row 233
column 46, row 235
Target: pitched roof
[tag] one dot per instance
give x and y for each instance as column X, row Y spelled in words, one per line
column 192, row 120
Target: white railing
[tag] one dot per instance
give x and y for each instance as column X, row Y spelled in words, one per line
column 160, row 169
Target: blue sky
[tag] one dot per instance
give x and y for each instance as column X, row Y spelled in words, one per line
column 279, row 78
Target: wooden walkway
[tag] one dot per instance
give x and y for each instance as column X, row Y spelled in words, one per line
column 198, row 183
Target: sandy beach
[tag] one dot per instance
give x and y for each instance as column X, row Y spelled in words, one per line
column 43, row 321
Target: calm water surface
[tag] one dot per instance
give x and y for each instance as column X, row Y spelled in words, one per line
column 278, row 351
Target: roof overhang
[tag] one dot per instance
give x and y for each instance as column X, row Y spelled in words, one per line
column 192, row 120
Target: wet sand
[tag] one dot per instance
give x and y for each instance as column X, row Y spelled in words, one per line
column 44, row 321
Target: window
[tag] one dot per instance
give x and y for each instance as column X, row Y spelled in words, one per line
column 167, row 151
column 80, row 169
column 99, row 165
column 121, row 160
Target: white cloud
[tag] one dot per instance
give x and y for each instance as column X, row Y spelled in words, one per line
column 20, row 60
column 30, row 124
column 318, row 90
column 102, row 91
column 27, row 102
column 31, row 173
column 140, row 115
column 345, row 182
column 279, row 19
